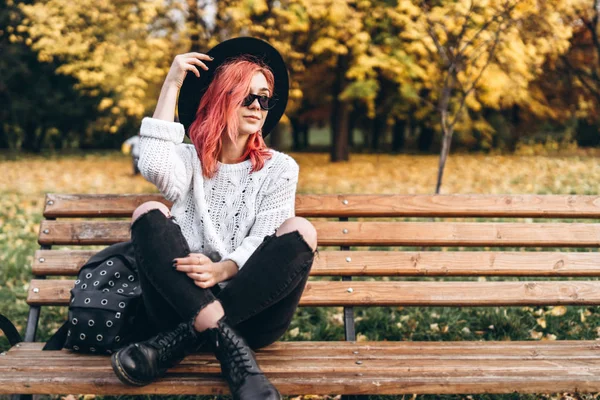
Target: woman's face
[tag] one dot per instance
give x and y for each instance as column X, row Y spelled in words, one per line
column 252, row 117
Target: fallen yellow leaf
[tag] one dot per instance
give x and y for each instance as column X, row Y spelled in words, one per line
column 558, row 311
column 541, row 322
column 536, row 335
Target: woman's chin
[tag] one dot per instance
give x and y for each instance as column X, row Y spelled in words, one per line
column 247, row 132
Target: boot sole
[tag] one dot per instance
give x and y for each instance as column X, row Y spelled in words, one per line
column 122, row 375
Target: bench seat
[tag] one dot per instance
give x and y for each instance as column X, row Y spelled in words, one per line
column 333, row 367
column 375, row 251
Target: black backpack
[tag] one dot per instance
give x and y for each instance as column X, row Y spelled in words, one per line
column 106, row 310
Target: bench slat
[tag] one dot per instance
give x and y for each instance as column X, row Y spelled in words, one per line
column 463, row 350
column 406, row 367
column 393, row 263
column 352, row 205
column 395, row 293
column 106, row 383
column 370, row 233
column 316, row 366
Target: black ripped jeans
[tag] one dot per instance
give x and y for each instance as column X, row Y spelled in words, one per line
column 259, row 301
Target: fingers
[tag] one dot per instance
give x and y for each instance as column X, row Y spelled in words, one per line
column 199, row 55
column 192, row 259
column 195, row 61
column 202, row 277
column 203, row 280
column 186, row 62
column 189, row 268
column 194, row 70
column 197, row 267
column 205, row 284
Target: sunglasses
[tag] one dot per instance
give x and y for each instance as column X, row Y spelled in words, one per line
column 266, row 103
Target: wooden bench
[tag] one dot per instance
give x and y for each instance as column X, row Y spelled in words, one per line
column 350, row 367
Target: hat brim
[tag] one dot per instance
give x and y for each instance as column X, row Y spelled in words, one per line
column 193, row 88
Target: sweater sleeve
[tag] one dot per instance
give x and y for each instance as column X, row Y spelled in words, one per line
column 164, row 158
column 277, row 205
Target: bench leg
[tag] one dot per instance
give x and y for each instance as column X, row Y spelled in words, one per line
column 21, row 397
column 32, row 321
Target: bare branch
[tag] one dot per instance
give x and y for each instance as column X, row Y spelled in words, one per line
column 484, row 45
column 487, row 24
column 438, row 45
column 593, row 27
column 463, row 30
column 583, row 78
column 476, row 80
column 434, row 37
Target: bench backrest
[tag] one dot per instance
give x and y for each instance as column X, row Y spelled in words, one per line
column 346, row 224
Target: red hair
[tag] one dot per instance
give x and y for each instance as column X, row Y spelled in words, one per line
column 217, row 114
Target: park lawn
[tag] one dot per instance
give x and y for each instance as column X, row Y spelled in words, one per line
column 25, row 180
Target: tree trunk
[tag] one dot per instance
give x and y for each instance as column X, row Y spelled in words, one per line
column 398, row 135
column 352, row 125
column 275, row 137
column 516, row 119
column 446, row 140
column 340, row 150
column 339, row 115
column 295, row 126
column 40, row 139
column 30, row 138
column 425, row 138
column 379, row 126
column 305, row 127
column 3, row 138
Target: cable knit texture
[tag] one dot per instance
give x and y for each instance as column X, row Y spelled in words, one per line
column 225, row 217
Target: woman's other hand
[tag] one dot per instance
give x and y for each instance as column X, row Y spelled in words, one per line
column 203, row 271
column 184, row 63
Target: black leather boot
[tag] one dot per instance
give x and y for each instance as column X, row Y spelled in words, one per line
column 238, row 365
column 141, row 363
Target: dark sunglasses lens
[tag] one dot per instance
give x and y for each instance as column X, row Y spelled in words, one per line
column 248, row 100
column 265, row 102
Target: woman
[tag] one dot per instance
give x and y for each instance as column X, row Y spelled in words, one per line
column 224, row 269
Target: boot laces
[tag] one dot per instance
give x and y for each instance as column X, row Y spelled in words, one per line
column 166, row 342
column 238, row 357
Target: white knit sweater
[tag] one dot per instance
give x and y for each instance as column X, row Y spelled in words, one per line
column 225, row 217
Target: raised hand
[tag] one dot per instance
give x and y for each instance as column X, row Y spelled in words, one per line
column 184, row 63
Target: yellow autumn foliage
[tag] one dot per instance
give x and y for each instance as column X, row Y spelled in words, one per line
column 122, row 50
column 107, row 46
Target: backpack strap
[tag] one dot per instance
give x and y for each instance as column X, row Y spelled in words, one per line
column 57, row 341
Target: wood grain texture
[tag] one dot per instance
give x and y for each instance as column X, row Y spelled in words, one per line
column 393, row 263
column 355, row 205
column 398, row 293
column 370, row 233
column 366, row 367
column 58, row 205
column 333, row 367
column 471, row 350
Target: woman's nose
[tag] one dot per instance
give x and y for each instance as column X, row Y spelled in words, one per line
column 255, row 104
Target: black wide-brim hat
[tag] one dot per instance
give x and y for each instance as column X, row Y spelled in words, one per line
column 193, row 88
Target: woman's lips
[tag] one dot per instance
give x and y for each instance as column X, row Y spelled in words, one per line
column 252, row 118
